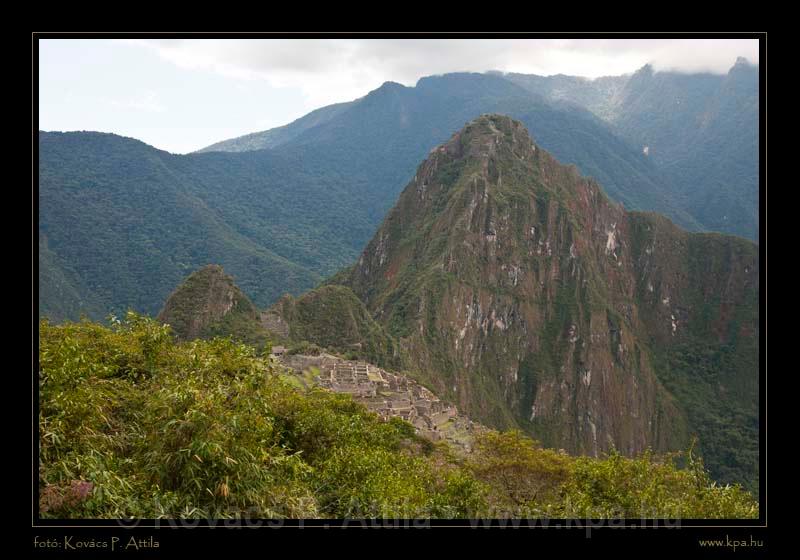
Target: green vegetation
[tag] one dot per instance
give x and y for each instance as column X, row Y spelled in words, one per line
column 208, row 304
column 332, row 317
column 516, row 292
column 280, row 135
column 126, row 222
column 61, row 293
column 701, row 131
column 726, row 425
column 134, row 424
column 711, row 364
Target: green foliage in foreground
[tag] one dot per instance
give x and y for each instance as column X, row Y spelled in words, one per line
column 133, row 424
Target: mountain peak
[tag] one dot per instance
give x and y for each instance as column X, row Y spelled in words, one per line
column 208, row 303
column 493, row 121
column 525, row 296
column 741, row 65
column 486, row 136
column 389, row 87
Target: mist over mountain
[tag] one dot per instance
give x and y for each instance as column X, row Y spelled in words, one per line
column 699, row 130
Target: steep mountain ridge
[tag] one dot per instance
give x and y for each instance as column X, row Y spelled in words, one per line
column 522, row 293
column 598, row 95
column 276, row 218
column 276, row 136
column 392, row 128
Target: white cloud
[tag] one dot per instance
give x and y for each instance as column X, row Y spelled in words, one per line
column 331, row 70
column 181, row 95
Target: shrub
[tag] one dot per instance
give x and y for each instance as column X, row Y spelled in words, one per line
column 134, row 424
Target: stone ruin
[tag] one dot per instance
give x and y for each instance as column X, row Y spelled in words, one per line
column 390, row 395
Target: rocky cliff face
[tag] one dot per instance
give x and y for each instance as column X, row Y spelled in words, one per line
column 208, row 303
column 527, row 297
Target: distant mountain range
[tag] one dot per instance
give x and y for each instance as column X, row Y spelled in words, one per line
column 121, row 223
column 700, row 130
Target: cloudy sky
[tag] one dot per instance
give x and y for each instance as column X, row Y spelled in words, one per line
column 182, row 95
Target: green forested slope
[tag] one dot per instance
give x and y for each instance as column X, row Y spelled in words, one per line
column 130, row 226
